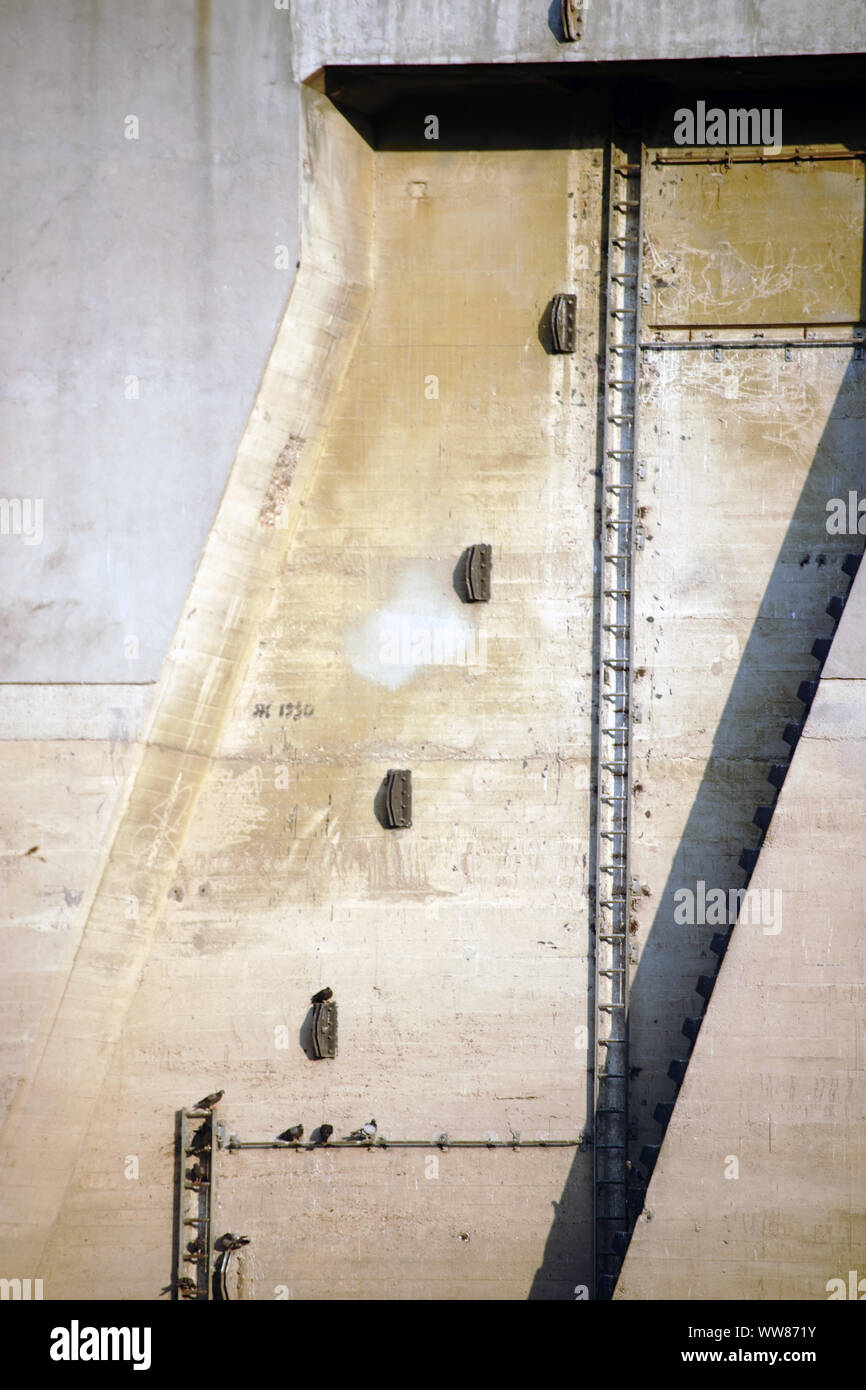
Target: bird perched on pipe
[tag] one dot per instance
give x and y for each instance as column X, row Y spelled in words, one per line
column 292, row 1135
column 325, row 1132
column 231, row 1241
column 322, row 997
column 210, row 1101
column 365, row 1133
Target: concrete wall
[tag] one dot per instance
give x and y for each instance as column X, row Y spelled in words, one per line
column 150, row 258
column 70, row 1060
column 758, row 1187
column 458, row 950
column 523, row 31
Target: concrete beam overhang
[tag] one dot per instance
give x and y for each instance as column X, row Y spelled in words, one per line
column 514, row 31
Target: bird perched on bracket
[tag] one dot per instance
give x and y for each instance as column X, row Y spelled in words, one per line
column 322, row 997
column 325, row 1132
column 293, row 1135
column 210, row 1101
column 365, row 1133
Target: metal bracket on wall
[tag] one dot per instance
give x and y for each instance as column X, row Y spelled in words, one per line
column 479, row 568
column 572, row 20
column 563, row 310
column 398, row 799
column 324, row 1032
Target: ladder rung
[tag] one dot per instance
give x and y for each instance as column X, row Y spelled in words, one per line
column 628, row 203
column 624, row 168
column 621, row 381
column 618, row 487
column 624, row 275
column 621, row 347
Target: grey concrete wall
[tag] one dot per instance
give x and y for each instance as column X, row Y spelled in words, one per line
column 523, row 31
column 150, row 258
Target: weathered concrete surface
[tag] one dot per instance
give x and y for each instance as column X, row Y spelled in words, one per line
column 64, row 763
column 742, row 455
column 70, row 1059
column 514, row 31
column 758, row 1190
column 279, row 875
column 457, row 950
column 132, row 265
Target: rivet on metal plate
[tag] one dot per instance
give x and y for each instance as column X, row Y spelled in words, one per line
column 563, row 310
column 479, row 568
column 398, row 799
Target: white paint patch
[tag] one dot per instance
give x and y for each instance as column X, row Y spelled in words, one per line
column 421, row 626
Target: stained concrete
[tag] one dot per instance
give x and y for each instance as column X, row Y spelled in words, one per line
column 192, row 810
column 280, row 875
column 758, row 1187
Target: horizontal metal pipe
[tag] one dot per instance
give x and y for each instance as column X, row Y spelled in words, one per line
column 410, row 1144
column 754, row 343
column 798, row 157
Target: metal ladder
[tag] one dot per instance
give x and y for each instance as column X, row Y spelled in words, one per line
column 619, row 535
column 195, row 1205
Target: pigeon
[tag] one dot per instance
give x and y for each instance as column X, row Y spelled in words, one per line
column 365, row 1133
column 201, row 1139
column 322, row 997
column 292, row 1135
column 210, row 1101
column 325, row 1132
column 230, row 1241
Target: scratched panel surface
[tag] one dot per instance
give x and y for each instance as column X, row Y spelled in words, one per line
column 754, row 243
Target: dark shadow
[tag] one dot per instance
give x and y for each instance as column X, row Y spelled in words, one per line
column 176, row 1217
column 544, row 334
column 458, row 577
column 539, row 105
column 554, row 20
column 305, row 1035
column 380, row 805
